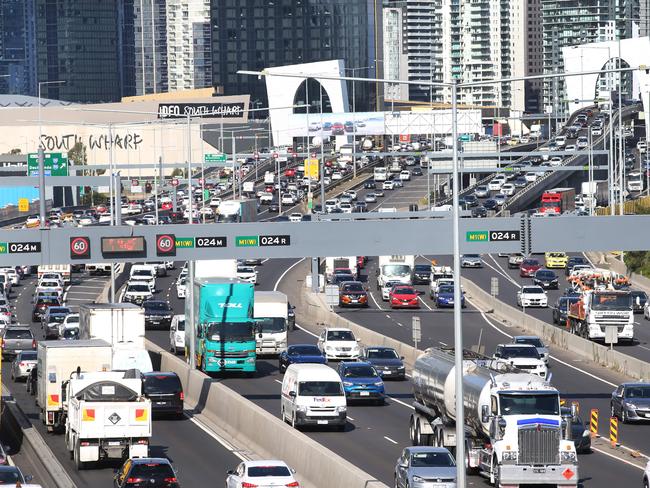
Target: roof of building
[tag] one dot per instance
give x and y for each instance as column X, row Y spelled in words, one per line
column 17, row 101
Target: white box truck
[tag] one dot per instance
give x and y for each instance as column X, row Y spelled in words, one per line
column 395, row 268
column 57, row 360
column 127, row 355
column 108, row 417
column 333, row 263
column 270, row 312
column 216, row 268
column 112, row 322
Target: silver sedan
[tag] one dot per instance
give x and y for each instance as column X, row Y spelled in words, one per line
column 22, row 365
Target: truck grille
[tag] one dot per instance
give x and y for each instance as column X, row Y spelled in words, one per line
column 235, row 354
column 620, row 321
column 539, row 445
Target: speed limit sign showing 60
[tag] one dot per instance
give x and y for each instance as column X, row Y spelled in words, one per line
column 165, row 245
column 79, row 247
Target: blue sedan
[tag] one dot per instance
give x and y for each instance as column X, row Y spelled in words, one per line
column 361, row 382
column 445, row 297
column 300, row 353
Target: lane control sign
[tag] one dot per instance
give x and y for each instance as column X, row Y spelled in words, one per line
column 79, row 247
column 165, row 245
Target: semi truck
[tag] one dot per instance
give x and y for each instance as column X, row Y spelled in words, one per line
column 270, row 312
column 597, row 309
column 514, row 432
column 112, row 322
column 108, row 417
column 242, row 210
column 334, row 263
column 224, row 328
column 596, row 191
column 57, row 360
column 99, row 268
column 558, row 201
column 395, row 268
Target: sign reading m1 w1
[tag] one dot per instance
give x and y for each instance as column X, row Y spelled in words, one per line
column 492, row 235
column 233, row 110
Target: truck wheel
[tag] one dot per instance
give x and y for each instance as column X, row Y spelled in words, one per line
column 412, row 430
column 496, row 473
column 77, row 458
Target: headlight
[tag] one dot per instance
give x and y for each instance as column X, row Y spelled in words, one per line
column 569, row 456
column 630, row 405
column 509, row 455
column 341, row 409
column 329, row 348
column 585, row 433
column 378, row 383
column 302, row 409
column 400, row 367
column 347, row 383
column 250, row 360
column 417, row 479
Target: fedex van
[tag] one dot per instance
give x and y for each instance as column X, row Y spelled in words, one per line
column 312, row 394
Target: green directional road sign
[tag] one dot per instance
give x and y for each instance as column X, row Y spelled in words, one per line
column 214, row 158
column 184, row 242
column 247, row 241
column 55, row 164
column 477, row 236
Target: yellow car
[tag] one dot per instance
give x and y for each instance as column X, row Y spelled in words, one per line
column 556, row 259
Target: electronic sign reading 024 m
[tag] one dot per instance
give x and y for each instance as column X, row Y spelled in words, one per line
column 133, row 246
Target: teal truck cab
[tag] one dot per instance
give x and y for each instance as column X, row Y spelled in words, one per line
column 223, row 325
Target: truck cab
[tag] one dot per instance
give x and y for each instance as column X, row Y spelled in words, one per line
column 270, row 312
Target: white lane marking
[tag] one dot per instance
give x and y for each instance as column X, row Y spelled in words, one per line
column 401, row 402
column 278, row 381
column 643, row 347
column 399, row 323
column 617, row 458
column 442, row 343
column 375, row 302
column 77, row 292
column 505, row 275
column 587, row 373
column 350, row 418
column 307, row 331
column 220, row 440
column 390, row 440
column 277, row 283
column 425, row 304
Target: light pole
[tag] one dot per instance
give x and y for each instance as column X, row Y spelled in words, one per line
column 354, row 118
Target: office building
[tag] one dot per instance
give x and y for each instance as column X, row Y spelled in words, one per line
column 150, row 46
column 77, row 42
column 256, row 34
column 574, row 22
column 17, row 47
column 395, row 53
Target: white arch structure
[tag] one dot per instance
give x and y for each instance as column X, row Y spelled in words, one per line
column 281, row 91
column 592, row 57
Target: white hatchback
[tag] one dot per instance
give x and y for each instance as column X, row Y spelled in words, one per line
column 338, row 343
column 261, row 473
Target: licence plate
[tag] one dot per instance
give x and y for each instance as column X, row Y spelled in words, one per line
column 539, row 470
column 322, row 422
column 388, row 372
column 114, row 443
column 365, row 393
column 161, row 403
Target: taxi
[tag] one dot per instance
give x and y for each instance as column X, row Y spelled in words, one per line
column 556, row 259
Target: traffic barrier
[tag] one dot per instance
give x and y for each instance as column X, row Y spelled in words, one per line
column 260, row 431
column 593, row 423
column 613, row 431
column 558, row 336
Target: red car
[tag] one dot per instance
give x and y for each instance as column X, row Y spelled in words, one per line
column 338, row 129
column 290, row 173
column 101, row 209
column 404, row 296
column 529, row 267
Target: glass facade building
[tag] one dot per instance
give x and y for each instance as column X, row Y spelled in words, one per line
column 17, row 44
column 257, row 34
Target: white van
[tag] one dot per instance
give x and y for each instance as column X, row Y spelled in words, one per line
column 127, row 355
column 312, row 394
column 144, row 272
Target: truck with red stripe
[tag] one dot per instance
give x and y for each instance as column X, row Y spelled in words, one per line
column 108, row 417
column 558, row 200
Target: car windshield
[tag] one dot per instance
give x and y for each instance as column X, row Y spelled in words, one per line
column 157, row 306
column 340, row 335
column 319, row 388
column 162, row 383
column 48, row 301
column 306, row 350
column 342, row 278
column 546, row 275
column 71, row 333
column 361, row 371
column 381, row 354
column 72, row 319
column 403, row 290
column 432, row 460
column 445, row 289
column 533, row 341
column 18, row 334
column 637, row 391
column 611, row 301
column 530, row 262
column 264, row 471
column 529, row 404
column 532, row 290
column 519, row 352
column 137, row 288
column 231, row 331
column 422, row 268
column 57, row 318
column 142, row 272
column 353, row 287
column 28, row 356
column 471, row 256
column 152, row 471
column 10, row 477
column 272, row 324
column 396, row 270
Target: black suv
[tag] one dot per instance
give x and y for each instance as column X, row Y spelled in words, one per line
column 157, row 313
column 165, row 392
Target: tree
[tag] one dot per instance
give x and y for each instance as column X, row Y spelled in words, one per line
column 78, row 155
column 15, row 150
column 178, row 173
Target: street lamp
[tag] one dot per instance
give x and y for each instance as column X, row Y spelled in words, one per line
column 354, row 119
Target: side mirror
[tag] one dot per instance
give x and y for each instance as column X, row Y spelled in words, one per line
column 292, row 394
column 402, row 358
column 485, row 414
column 574, row 411
column 358, row 340
column 28, row 478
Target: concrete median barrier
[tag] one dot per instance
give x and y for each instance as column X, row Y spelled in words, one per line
column 261, row 431
column 557, row 336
